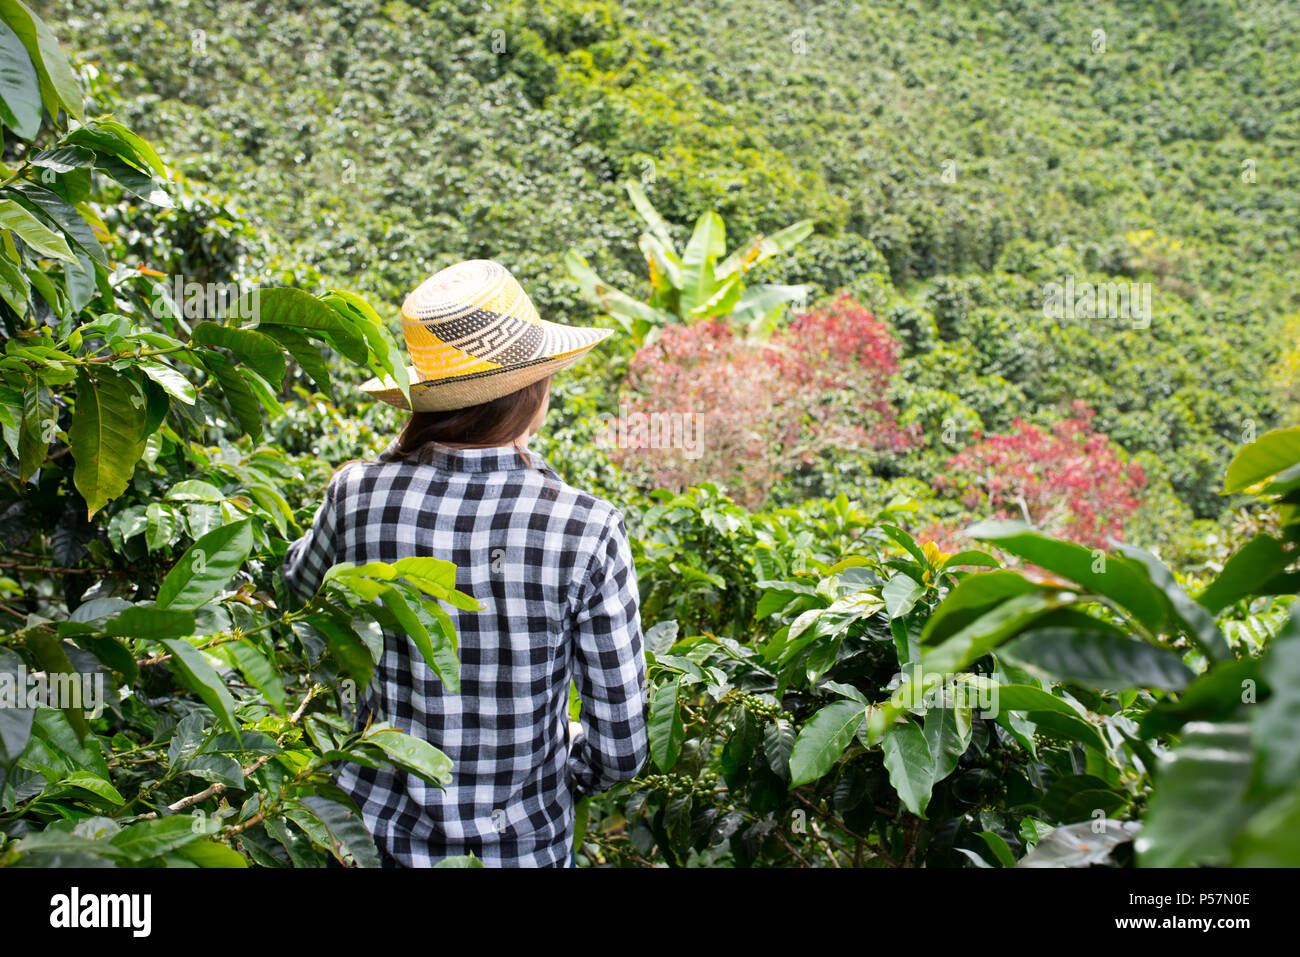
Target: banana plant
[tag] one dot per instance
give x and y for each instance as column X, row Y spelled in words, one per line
column 697, row 283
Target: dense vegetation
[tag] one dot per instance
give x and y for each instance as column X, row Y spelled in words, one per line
column 954, row 158
column 834, row 231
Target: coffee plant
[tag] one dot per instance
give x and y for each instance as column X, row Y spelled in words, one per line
column 828, row 692
column 199, row 706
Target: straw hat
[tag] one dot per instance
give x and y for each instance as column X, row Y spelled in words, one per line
column 474, row 335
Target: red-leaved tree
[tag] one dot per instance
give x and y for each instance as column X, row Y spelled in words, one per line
column 1069, row 481
column 752, row 411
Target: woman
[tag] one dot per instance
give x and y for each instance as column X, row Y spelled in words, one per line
column 550, row 565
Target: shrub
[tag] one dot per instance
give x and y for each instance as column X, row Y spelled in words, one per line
column 763, row 409
column 1069, row 481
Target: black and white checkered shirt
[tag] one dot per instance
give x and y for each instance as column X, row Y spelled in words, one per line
column 553, row 570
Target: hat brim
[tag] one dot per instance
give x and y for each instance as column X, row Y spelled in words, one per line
column 463, row 391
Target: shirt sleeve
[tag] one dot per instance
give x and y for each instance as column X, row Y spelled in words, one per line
column 310, row 557
column 609, row 670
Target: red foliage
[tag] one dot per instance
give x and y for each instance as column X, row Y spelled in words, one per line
column 764, row 408
column 1069, row 482
column 843, row 346
column 823, row 343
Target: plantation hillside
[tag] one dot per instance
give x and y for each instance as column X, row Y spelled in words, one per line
column 950, row 414
column 953, row 157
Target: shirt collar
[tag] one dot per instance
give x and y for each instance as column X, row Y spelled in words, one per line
column 492, row 459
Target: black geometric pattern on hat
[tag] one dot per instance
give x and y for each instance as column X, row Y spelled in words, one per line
column 484, row 334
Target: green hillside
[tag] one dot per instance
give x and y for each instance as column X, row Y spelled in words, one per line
column 953, row 157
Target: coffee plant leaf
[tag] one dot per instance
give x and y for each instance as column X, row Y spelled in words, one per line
column 1093, row 570
column 1255, row 463
column 1081, row 845
column 206, row 567
column 336, row 828
column 823, row 739
column 665, row 725
column 1274, row 721
column 1201, row 803
column 207, row 684
column 1101, row 660
column 107, row 435
column 414, row 754
column 910, row 765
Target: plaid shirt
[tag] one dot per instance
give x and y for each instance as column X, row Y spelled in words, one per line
column 553, row 570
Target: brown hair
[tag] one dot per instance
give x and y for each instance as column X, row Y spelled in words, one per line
column 498, row 421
